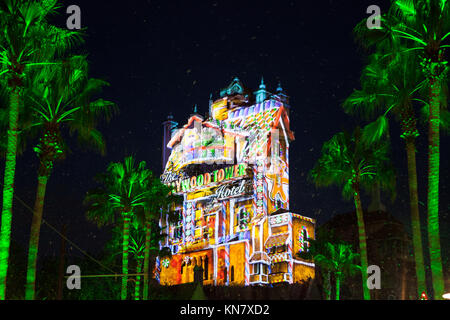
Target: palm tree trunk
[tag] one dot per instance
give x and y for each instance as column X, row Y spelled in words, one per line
column 125, row 242
column 147, row 259
column 34, row 237
column 8, row 188
column 137, row 288
column 362, row 242
column 338, row 285
column 415, row 217
column 328, row 285
column 433, row 188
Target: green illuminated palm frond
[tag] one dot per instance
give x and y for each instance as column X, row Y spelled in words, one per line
column 61, row 96
column 122, row 191
column 346, row 158
column 28, row 39
column 332, row 256
column 390, row 89
column 424, row 23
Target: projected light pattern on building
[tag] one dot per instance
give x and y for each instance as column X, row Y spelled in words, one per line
column 232, row 170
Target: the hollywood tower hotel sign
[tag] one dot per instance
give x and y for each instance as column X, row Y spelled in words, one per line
column 232, row 169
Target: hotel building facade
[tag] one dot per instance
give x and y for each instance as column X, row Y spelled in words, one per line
column 232, row 170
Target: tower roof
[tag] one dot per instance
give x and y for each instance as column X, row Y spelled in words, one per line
column 235, row 87
column 262, row 85
column 279, row 88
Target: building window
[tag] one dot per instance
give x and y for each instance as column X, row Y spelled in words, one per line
column 303, row 239
column 264, row 269
column 280, row 267
column 178, row 232
column 259, row 268
column 225, row 274
column 242, row 218
column 232, row 274
column 178, row 226
column 278, row 204
column 206, row 268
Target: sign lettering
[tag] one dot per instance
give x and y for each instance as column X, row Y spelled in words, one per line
column 187, row 184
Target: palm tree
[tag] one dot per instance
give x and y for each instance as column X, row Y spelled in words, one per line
column 160, row 202
column 337, row 258
column 340, row 262
column 352, row 164
column 318, row 247
column 60, row 98
column 144, row 245
column 26, row 42
column 137, row 246
column 119, row 197
column 390, row 88
column 425, row 26
column 24, row 121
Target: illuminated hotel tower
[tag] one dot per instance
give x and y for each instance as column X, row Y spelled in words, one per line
column 232, row 170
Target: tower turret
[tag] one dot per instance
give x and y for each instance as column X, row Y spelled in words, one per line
column 280, row 93
column 168, row 127
column 261, row 94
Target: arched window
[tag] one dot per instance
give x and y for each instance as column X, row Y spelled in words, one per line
column 205, row 268
column 182, row 266
column 225, row 274
column 278, row 204
column 303, row 239
column 232, row 274
column 242, row 218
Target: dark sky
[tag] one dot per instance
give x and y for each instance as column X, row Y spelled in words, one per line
column 166, row 56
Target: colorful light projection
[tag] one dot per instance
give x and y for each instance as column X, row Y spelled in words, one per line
column 278, row 183
column 303, row 239
column 201, row 142
column 189, row 222
column 209, row 179
column 224, row 217
column 165, row 263
column 278, row 220
column 260, row 206
column 219, row 109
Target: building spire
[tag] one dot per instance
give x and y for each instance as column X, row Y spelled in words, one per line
column 261, row 94
column 195, row 112
column 281, row 94
column 262, row 85
column 210, row 102
column 279, row 88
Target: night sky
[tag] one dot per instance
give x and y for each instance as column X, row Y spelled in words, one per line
column 163, row 57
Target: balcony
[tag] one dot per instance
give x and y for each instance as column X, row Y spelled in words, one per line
column 279, row 257
column 206, row 154
column 259, row 278
column 279, row 277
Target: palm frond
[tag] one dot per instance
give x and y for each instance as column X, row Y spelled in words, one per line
column 376, row 130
